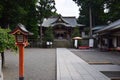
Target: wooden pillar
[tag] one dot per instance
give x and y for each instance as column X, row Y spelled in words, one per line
column 21, row 61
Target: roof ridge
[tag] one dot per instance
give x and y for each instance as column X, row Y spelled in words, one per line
column 63, row 16
column 69, row 17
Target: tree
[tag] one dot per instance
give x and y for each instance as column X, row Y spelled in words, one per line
column 45, row 9
column 113, row 7
column 13, row 12
column 26, row 12
column 49, row 34
column 98, row 7
column 7, row 41
column 49, row 37
column 30, row 19
column 76, row 32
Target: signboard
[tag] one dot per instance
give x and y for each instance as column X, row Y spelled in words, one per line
column 91, row 42
column 76, row 42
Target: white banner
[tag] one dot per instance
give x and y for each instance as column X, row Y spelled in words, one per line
column 76, row 42
column 91, row 42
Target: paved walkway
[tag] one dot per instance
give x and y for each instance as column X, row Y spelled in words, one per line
column 71, row 67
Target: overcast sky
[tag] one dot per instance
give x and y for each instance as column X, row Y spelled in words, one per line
column 67, row 8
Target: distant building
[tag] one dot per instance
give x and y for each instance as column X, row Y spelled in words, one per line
column 62, row 26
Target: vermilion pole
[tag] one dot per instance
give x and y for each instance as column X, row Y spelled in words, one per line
column 21, row 61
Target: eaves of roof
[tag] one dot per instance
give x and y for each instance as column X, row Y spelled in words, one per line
column 111, row 26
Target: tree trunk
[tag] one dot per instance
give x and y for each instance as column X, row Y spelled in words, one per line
column 41, row 35
column 3, row 59
column 90, row 16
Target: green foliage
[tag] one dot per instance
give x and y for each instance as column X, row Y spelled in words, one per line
column 114, row 10
column 87, row 30
column 98, row 15
column 49, row 34
column 76, row 32
column 97, row 8
column 7, row 41
column 45, row 9
column 26, row 12
column 13, row 12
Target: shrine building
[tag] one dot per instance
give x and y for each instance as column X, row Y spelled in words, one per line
column 62, row 26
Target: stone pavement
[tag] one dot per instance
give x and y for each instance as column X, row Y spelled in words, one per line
column 107, row 67
column 72, row 67
column 39, row 64
column 105, row 62
column 96, row 56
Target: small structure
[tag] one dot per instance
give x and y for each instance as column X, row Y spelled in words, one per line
column 109, row 36
column 21, row 34
column 76, row 41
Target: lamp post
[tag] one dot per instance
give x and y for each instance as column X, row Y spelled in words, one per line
column 21, row 34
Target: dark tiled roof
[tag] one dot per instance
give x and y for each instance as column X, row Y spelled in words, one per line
column 20, row 27
column 98, row 27
column 70, row 20
column 111, row 26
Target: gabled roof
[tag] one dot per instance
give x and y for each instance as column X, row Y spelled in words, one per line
column 111, row 26
column 67, row 21
column 60, row 20
column 21, row 28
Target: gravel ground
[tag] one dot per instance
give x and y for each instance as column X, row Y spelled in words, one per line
column 39, row 65
column 94, row 56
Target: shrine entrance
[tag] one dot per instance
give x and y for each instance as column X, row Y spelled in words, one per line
column 60, row 32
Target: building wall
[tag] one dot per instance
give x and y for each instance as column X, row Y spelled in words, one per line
column 118, row 41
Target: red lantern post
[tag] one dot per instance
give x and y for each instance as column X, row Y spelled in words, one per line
column 21, row 34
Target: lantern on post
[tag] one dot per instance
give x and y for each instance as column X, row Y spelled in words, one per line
column 21, row 34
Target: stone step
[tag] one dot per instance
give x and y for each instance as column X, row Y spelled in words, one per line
column 61, row 43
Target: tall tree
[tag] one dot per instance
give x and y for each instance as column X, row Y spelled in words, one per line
column 76, row 32
column 30, row 20
column 113, row 7
column 26, row 12
column 8, row 8
column 49, row 35
column 98, row 7
column 45, row 9
column 13, row 12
